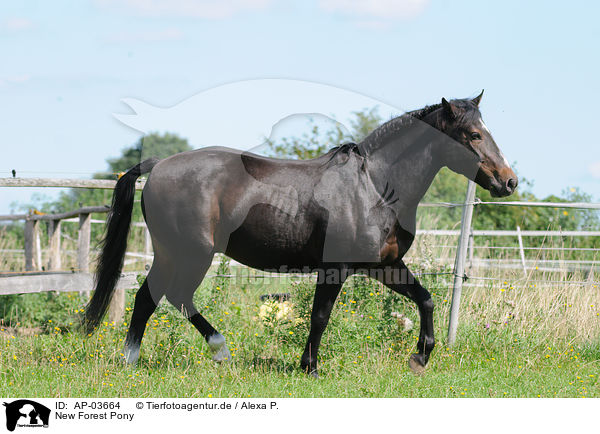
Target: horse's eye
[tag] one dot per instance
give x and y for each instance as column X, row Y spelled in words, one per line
column 475, row 136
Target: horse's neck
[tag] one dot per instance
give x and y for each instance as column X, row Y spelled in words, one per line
column 406, row 160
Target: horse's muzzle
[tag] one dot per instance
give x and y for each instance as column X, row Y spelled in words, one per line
column 499, row 183
column 502, row 188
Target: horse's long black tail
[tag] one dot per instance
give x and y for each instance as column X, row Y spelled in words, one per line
column 114, row 244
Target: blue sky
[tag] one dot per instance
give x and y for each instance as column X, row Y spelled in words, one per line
column 66, row 65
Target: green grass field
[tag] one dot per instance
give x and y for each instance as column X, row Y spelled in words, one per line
column 514, row 340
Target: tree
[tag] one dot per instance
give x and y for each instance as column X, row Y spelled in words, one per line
column 315, row 143
column 151, row 145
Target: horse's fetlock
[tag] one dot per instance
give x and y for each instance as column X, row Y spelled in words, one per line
column 429, row 343
column 428, row 305
column 306, row 361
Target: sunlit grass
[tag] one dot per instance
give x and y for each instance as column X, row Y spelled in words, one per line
column 364, row 354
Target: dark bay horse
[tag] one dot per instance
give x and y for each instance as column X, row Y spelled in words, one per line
column 350, row 210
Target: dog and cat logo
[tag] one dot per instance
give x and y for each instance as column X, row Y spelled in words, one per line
column 26, row 413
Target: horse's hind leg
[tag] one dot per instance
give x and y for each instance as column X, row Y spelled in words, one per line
column 216, row 341
column 144, row 307
column 146, row 300
column 181, row 294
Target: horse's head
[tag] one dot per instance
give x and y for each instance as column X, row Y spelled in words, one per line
column 461, row 120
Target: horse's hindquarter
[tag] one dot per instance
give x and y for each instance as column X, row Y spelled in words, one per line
column 181, row 199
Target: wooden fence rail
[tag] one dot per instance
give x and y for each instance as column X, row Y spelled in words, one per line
column 105, row 184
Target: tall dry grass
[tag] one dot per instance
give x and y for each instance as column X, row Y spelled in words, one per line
column 559, row 304
column 11, row 253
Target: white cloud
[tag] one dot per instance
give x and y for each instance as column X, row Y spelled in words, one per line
column 385, row 9
column 18, row 24
column 372, row 13
column 373, row 24
column 594, row 169
column 210, row 9
column 171, row 34
column 14, row 79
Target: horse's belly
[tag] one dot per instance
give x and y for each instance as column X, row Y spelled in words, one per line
column 271, row 240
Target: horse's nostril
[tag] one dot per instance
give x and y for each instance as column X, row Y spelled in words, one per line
column 511, row 184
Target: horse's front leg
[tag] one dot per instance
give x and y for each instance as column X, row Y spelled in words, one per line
column 325, row 296
column 399, row 279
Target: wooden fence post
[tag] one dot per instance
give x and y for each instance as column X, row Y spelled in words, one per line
column 83, row 247
column 116, row 309
column 33, row 250
column 37, row 246
column 147, row 245
column 459, row 264
column 54, row 262
column 29, row 244
column 83, row 243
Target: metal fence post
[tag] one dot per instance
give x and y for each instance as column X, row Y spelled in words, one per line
column 459, row 264
column 471, row 248
column 521, row 251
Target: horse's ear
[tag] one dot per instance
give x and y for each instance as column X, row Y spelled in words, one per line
column 449, row 109
column 477, row 99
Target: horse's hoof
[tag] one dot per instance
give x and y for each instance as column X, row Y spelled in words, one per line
column 131, row 356
column 218, row 346
column 415, row 364
column 223, row 355
column 311, row 372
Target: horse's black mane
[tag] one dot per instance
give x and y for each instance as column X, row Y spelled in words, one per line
column 421, row 113
column 345, row 148
column 467, row 112
column 353, row 147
